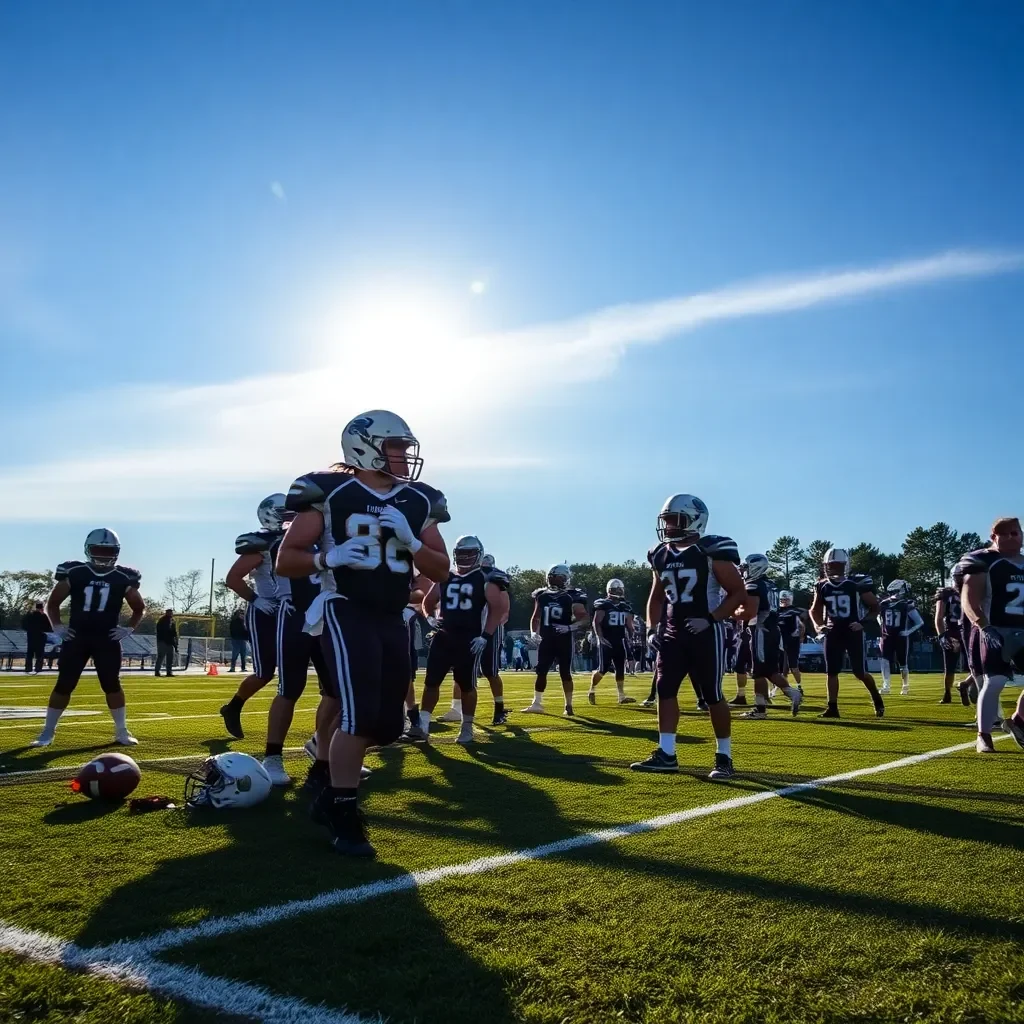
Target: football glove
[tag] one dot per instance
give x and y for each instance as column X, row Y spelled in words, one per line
column 992, row 637
column 477, row 644
column 353, row 554
column 60, row 634
column 562, row 629
column 433, row 621
column 535, row 637
column 265, row 604
column 119, row 633
column 393, row 518
column 696, row 626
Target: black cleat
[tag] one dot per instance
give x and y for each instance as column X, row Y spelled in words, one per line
column 738, row 701
column 659, row 761
column 702, row 705
column 348, row 827
column 830, row 712
column 964, row 689
column 316, row 779
column 232, row 721
column 500, row 717
column 947, row 698
column 723, row 768
column 879, row 708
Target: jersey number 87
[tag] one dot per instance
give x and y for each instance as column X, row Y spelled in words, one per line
column 678, row 584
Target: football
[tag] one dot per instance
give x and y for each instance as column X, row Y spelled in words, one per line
column 107, row 777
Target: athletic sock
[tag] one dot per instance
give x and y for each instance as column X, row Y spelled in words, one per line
column 457, row 705
column 425, row 721
column 760, row 701
column 414, row 713
column 538, row 697
column 52, row 718
column 724, row 746
column 236, row 703
column 741, row 691
column 273, row 750
column 499, row 703
column 667, row 742
column 118, row 715
column 467, row 723
column 885, row 674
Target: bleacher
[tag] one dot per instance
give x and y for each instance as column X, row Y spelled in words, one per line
column 136, row 650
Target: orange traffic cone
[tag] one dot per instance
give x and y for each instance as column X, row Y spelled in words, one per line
column 211, row 669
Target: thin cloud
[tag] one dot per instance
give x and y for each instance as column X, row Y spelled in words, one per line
column 277, row 191
column 259, row 432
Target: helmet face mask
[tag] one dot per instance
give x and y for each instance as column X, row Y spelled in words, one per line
column 102, row 548
column 836, row 564
column 785, row 598
column 615, row 588
column 272, row 514
column 559, row 576
column 467, row 554
column 232, row 779
column 381, row 442
column 682, row 518
column 754, row 567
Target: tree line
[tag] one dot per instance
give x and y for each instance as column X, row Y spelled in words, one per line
column 925, row 561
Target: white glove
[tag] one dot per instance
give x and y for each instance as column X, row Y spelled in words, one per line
column 265, row 604
column 353, row 554
column 820, row 638
column 434, row 622
column 408, row 613
column 59, row 635
column 393, row 518
column 696, row 626
column 119, row 633
column 535, row 637
column 562, row 629
column 477, row 644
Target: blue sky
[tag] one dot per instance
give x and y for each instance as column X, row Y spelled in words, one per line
column 226, row 228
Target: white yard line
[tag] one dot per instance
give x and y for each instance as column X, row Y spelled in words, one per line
column 183, row 983
column 30, row 723
column 269, row 915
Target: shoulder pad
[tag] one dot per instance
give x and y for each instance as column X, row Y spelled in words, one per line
column 753, row 588
column 863, row 582
column 305, row 493
column 62, row 570
column 578, row 596
column 601, row 603
column 721, row 549
column 974, row 562
column 652, row 554
column 133, row 576
column 436, row 500
column 253, row 543
column 538, row 592
column 498, row 578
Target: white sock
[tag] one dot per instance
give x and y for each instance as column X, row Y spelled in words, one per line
column 52, row 718
column 538, row 698
column 467, row 723
column 667, row 742
column 724, row 746
column 759, row 701
column 425, row 721
column 457, row 705
column 118, row 715
column 791, row 692
column 885, row 673
column 988, row 702
column 741, row 691
column 906, row 678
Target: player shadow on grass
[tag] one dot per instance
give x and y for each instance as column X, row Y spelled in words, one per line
column 26, row 758
column 79, row 811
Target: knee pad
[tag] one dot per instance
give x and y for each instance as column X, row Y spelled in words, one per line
column 111, row 690
column 65, row 689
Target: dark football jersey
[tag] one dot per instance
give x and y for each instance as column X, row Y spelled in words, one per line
column 1003, row 602
column 462, row 604
column 616, row 615
column 843, row 604
column 351, row 509
column 265, row 544
column 691, row 588
column 300, row 592
column 498, row 578
column 789, row 621
column 96, row 594
column 894, row 614
column 950, row 611
column 555, row 607
column 767, row 595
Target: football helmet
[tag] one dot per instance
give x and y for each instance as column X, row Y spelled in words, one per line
column 559, row 576
column 381, row 441
column 102, row 547
column 754, row 567
column 836, row 557
column 468, row 553
column 615, row 588
column 487, row 562
column 785, row 598
column 272, row 514
column 898, row 588
column 681, row 516
column 228, row 780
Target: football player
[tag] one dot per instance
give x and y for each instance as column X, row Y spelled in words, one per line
column 993, row 597
column 255, row 560
column 695, row 586
column 559, row 613
column 842, row 604
column 760, row 610
column 900, row 620
column 947, row 631
column 742, row 660
column 793, row 630
column 613, row 627
column 470, row 605
column 97, row 588
column 368, row 527
column 296, row 649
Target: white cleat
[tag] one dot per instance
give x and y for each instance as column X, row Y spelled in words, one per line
column 885, row 690
column 364, row 772
column 274, row 767
column 42, row 740
column 534, row 709
column 310, row 747
column 126, row 739
column 905, row 691
column 451, row 715
column 465, row 736
column 984, row 745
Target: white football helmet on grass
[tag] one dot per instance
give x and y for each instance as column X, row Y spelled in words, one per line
column 228, row 780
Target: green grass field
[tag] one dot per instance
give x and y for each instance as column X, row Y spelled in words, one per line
column 893, row 896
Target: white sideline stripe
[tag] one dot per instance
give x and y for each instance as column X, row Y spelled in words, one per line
column 184, row 983
column 29, row 723
column 269, row 915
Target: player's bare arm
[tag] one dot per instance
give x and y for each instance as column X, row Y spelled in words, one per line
column 598, row 619
column 137, row 605
column 431, row 558
column 655, row 602
column 535, row 618
column 730, row 580
column 497, row 608
column 236, row 577
column 57, row 597
column 294, row 557
column 579, row 616
column 940, row 625
column 748, row 608
column 870, row 601
column 431, row 600
column 974, row 599
column 817, row 613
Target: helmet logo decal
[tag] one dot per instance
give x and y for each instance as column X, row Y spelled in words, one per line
column 360, row 426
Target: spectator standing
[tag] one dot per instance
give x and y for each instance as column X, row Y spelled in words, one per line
column 239, row 635
column 166, row 641
column 36, row 626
